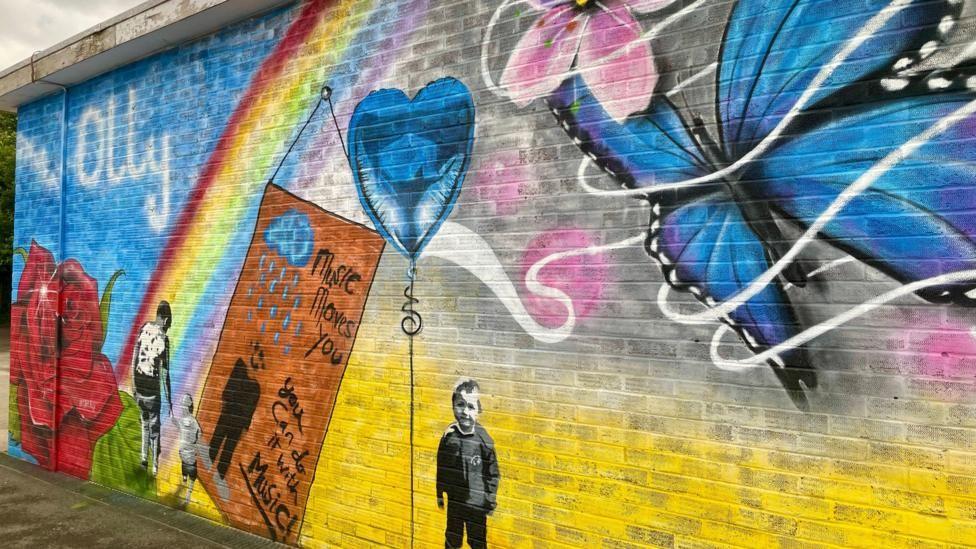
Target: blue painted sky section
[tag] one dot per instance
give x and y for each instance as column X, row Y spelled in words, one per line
column 185, row 95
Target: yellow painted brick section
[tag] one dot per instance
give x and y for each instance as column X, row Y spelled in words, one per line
column 687, row 543
column 960, row 508
column 601, row 483
column 856, row 537
column 765, row 522
column 737, row 535
column 961, row 463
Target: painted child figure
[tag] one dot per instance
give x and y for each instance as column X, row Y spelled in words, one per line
column 467, row 471
column 150, row 378
column 190, row 444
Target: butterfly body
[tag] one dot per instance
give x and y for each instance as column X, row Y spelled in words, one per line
column 798, row 142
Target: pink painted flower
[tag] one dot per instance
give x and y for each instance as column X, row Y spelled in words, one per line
column 587, row 31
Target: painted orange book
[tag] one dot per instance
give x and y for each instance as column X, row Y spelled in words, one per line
column 283, row 349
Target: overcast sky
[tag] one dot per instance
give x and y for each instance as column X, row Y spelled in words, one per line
column 30, row 25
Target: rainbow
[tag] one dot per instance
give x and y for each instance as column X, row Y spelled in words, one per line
column 222, row 204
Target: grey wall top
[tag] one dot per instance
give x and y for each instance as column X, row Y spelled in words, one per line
column 152, row 26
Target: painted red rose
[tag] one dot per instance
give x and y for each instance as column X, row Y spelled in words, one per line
column 87, row 402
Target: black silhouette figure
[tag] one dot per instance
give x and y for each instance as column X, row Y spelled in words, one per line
column 239, row 401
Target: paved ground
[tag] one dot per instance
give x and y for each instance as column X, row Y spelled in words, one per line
column 41, row 509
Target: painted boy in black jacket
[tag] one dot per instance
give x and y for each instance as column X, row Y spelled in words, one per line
column 467, row 471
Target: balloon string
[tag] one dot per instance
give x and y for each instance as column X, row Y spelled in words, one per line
column 411, row 324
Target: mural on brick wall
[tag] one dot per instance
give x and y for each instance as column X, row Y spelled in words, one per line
column 236, row 339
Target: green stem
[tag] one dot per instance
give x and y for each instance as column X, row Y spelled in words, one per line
column 105, row 305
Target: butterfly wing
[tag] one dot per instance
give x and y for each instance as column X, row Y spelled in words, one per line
column 707, row 248
column 917, row 220
column 774, row 49
column 650, row 148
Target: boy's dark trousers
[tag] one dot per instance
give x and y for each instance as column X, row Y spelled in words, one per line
column 461, row 517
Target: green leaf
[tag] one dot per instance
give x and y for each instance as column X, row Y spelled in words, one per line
column 13, row 419
column 117, row 461
column 22, row 253
column 106, row 304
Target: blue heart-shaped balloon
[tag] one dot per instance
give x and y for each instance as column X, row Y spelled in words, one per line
column 409, row 158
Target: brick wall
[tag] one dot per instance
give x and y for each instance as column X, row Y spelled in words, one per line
column 778, row 353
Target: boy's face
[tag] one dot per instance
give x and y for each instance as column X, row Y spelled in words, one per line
column 466, row 410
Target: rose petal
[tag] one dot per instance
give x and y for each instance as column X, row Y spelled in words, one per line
column 40, row 401
column 543, row 55
column 91, row 417
column 18, row 342
column 34, row 439
column 647, row 6
column 75, row 447
column 81, row 318
column 76, row 370
column 39, row 269
column 111, row 407
column 88, row 385
column 41, row 333
column 623, row 84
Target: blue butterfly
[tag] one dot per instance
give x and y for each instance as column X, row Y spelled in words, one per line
column 713, row 239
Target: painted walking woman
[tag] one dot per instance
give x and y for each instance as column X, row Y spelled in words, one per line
column 150, row 367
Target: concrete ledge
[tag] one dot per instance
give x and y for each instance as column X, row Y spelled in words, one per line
column 151, row 27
